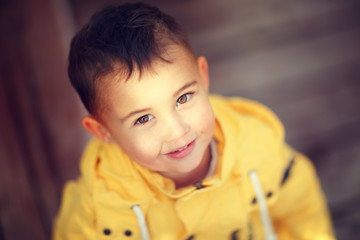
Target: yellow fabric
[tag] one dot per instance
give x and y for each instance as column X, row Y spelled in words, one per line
column 248, row 137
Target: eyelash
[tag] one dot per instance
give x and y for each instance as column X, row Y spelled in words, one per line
column 148, row 117
column 188, row 97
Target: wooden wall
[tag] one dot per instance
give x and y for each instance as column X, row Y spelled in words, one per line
column 301, row 58
column 41, row 135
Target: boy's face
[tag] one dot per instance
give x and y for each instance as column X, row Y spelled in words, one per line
column 163, row 121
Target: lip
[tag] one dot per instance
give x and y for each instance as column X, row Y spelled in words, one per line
column 179, row 154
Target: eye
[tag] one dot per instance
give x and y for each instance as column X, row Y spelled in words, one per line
column 144, row 119
column 183, row 99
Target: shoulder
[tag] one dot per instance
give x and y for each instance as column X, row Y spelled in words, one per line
column 252, row 135
column 90, row 159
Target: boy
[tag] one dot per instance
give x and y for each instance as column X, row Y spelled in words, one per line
column 167, row 162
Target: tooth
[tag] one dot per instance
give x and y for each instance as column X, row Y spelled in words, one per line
column 181, row 149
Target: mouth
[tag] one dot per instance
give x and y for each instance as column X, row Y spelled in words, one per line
column 183, row 151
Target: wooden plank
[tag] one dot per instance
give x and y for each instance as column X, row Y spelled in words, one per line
column 340, row 178
column 253, row 71
column 272, row 29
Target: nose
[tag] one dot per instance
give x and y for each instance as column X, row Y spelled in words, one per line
column 175, row 127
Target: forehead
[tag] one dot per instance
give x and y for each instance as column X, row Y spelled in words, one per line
column 180, row 66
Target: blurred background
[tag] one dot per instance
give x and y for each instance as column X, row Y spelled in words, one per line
column 301, row 58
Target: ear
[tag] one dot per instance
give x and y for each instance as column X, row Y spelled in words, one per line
column 97, row 129
column 204, row 71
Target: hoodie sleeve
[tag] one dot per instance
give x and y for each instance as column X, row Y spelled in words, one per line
column 301, row 210
column 76, row 218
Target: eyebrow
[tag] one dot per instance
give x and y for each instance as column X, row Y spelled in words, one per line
column 135, row 113
column 190, row 84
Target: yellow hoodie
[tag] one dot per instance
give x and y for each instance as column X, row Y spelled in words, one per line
column 261, row 189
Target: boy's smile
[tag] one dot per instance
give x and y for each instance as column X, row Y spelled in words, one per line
column 182, row 152
column 163, row 119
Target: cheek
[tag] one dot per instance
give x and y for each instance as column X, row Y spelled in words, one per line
column 143, row 149
column 205, row 120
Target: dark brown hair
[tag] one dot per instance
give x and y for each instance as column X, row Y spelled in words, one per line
column 129, row 35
